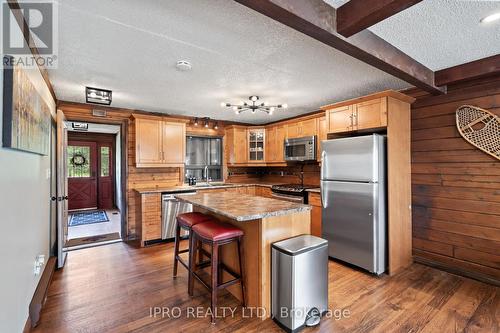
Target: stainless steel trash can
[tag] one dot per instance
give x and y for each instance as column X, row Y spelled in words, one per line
column 299, row 282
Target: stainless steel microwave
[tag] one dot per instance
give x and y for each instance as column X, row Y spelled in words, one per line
column 300, row 149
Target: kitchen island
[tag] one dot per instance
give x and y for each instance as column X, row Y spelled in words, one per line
column 264, row 221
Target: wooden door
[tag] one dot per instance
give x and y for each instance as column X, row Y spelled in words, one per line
column 148, row 136
column 62, row 188
column 309, row 127
column 340, row 119
column 174, row 143
column 315, row 202
column 271, row 147
column 105, row 175
column 82, row 177
column 280, row 143
column 368, row 114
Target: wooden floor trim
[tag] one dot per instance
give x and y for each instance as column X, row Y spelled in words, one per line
column 40, row 294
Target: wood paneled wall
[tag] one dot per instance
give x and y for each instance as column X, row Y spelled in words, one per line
column 456, row 187
column 136, row 177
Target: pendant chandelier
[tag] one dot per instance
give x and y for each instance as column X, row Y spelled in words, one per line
column 254, row 105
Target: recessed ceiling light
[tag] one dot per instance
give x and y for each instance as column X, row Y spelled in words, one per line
column 183, row 65
column 491, row 18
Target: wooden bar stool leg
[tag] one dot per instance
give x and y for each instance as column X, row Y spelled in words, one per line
column 192, row 253
column 176, row 248
column 215, row 269
column 240, row 259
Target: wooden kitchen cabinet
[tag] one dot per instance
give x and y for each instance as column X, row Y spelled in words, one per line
column 159, row 143
column 340, row 119
column 370, row 114
column 315, row 201
column 365, row 114
column 275, row 139
column 256, row 145
column 322, row 135
column 299, row 129
column 149, row 211
column 271, row 145
column 236, row 145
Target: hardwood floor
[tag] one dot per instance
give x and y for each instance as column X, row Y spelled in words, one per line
column 112, row 289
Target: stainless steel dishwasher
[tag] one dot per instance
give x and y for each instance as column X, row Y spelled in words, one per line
column 171, row 207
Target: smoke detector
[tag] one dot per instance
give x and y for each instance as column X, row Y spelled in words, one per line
column 183, row 65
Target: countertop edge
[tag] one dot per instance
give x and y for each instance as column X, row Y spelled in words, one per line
column 187, row 188
column 245, row 218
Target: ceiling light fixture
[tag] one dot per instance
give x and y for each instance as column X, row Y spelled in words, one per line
column 98, row 96
column 254, row 106
column 183, row 65
column 216, row 125
column 206, row 122
column 195, row 122
column 491, row 18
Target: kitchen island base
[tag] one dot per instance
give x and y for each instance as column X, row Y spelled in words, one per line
column 258, row 236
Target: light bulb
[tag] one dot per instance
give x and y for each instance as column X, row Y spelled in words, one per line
column 235, row 108
column 285, row 106
column 491, row 18
column 271, row 108
column 223, row 104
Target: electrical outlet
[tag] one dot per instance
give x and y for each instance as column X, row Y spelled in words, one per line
column 39, row 261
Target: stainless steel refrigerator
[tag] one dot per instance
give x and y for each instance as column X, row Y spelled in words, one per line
column 353, row 193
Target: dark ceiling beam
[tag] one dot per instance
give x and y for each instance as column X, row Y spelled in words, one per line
column 477, row 69
column 357, row 15
column 317, row 19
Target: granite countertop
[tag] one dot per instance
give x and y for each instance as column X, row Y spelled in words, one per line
column 315, row 190
column 200, row 188
column 243, row 207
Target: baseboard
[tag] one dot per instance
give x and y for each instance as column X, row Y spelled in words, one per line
column 40, row 294
column 457, row 271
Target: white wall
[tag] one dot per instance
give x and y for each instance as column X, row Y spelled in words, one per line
column 24, row 223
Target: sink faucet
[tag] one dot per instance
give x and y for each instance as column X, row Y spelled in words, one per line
column 206, row 175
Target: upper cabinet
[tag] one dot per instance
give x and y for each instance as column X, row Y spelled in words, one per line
column 236, row 145
column 256, row 142
column 158, row 142
column 368, row 112
column 302, row 128
column 322, row 135
column 275, row 140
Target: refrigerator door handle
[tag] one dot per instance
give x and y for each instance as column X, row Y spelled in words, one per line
column 323, row 197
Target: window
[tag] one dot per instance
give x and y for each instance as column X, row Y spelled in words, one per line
column 104, row 161
column 203, row 152
column 78, row 161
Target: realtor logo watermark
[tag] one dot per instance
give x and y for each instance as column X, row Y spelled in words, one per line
column 40, row 24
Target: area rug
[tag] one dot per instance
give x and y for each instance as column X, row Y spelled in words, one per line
column 92, row 239
column 82, row 218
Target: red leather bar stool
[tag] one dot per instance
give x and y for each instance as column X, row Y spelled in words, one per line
column 186, row 221
column 216, row 234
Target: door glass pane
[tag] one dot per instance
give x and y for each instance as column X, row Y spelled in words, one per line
column 105, row 161
column 78, row 161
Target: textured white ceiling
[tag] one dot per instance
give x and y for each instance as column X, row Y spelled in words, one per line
column 442, row 33
column 131, row 47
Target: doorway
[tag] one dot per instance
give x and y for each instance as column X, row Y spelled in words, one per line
column 94, row 185
column 90, row 171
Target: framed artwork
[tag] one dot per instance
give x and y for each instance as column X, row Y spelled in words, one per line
column 26, row 115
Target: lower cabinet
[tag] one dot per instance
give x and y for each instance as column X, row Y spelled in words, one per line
column 315, row 202
column 149, row 215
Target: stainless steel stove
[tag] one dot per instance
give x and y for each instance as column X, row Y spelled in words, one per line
column 290, row 192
